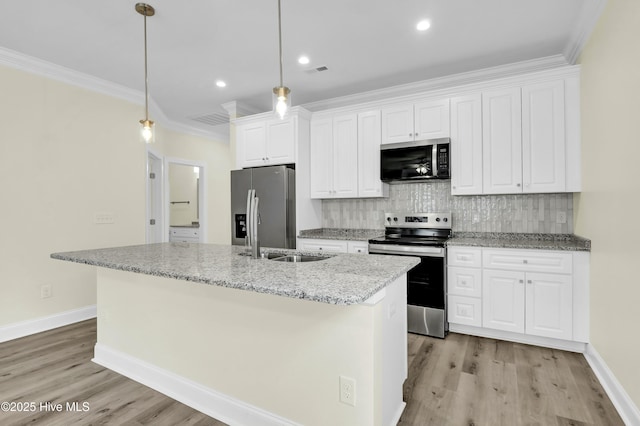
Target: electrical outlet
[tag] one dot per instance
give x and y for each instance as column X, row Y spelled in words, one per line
column 45, row 291
column 561, row 217
column 348, row 391
column 103, row 218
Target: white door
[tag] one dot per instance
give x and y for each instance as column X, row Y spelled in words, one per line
column 280, row 142
column 503, row 300
column 369, row 135
column 543, row 137
column 321, row 158
column 466, row 145
column 502, row 142
column 154, row 199
column 549, row 310
column 345, row 156
column 431, row 119
column 397, row 124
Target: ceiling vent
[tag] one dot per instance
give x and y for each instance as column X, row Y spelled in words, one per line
column 214, row 119
column 317, row 69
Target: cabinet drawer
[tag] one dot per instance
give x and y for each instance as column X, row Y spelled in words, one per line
column 527, row 260
column 335, row 246
column 464, row 281
column 185, row 232
column 464, row 310
column 358, row 247
column 464, row 256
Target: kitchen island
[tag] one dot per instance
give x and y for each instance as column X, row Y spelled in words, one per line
column 256, row 341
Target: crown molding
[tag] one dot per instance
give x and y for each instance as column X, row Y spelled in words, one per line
column 46, row 69
column 585, row 25
column 454, row 80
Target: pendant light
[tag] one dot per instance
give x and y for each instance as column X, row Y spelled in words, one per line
column 281, row 98
column 146, row 132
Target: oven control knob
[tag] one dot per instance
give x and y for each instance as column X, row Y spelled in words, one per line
column 445, row 219
column 395, row 219
column 388, row 219
column 437, row 219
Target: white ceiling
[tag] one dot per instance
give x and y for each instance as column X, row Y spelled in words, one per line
column 366, row 44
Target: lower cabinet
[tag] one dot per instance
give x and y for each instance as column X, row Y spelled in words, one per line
column 184, row 235
column 333, row 246
column 532, row 293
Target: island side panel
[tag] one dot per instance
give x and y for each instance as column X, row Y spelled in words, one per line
column 280, row 354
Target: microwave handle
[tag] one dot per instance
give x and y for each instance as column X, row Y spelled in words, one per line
column 434, row 160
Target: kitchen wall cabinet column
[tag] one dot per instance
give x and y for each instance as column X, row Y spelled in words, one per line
column 543, row 137
column 466, row 145
column 265, row 143
column 321, row 153
column 502, row 141
column 369, row 137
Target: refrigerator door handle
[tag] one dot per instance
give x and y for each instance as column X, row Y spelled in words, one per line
column 249, row 222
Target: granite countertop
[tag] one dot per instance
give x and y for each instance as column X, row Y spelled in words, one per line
column 342, row 279
column 341, row 234
column 567, row 242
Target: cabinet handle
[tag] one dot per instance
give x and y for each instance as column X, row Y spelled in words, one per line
column 359, row 250
column 528, row 281
column 453, row 187
column 525, row 261
column 410, row 134
column 521, row 281
column 518, row 185
column 319, row 248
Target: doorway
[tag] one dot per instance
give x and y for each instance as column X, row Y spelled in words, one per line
column 185, row 200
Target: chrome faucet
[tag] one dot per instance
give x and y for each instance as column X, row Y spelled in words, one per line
column 253, row 220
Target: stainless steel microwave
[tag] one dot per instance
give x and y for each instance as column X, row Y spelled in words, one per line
column 415, row 161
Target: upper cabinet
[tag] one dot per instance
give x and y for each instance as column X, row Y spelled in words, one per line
column 345, row 156
column 266, row 142
column 410, row 122
column 466, row 145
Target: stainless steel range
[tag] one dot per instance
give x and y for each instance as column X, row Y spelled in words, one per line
column 422, row 235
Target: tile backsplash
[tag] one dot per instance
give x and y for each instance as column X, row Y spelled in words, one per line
column 539, row 213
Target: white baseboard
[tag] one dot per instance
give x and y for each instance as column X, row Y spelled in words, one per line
column 208, row 401
column 37, row 325
column 619, row 397
column 547, row 342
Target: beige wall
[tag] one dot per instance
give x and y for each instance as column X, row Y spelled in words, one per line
column 67, row 153
column 607, row 209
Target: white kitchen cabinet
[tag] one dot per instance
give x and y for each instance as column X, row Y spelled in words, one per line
column 464, row 286
column 503, row 300
column 464, row 256
column 179, row 234
column 265, row 142
column 410, row 122
column 369, row 136
column 465, row 281
column 501, row 141
column 334, row 157
column 359, row 247
column 543, row 137
column 464, row 310
column 466, row 145
column 549, row 301
column 330, row 246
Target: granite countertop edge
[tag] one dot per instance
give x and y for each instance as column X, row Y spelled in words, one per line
column 317, row 293
column 348, row 234
column 534, row 241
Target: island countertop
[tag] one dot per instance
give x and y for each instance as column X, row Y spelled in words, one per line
column 342, row 279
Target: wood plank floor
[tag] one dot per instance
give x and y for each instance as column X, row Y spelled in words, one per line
column 462, row 380
column 472, row 381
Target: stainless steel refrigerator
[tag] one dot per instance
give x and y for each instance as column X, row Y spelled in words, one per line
column 275, row 186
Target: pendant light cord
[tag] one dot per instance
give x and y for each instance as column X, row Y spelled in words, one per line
column 146, row 78
column 280, row 40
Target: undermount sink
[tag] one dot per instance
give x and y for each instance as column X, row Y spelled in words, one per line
column 298, row 258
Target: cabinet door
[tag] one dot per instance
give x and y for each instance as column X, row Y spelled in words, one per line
column 464, row 310
column 464, row 281
column 466, row 145
column 397, row 124
column 369, row 135
column 543, row 137
column 345, row 156
column 332, row 246
column 431, row 119
column 251, row 145
column 549, row 306
column 501, row 142
column 280, row 142
column 503, row 300
column 321, row 158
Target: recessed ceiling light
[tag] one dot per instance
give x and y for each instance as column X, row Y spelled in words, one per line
column 303, row 60
column 221, row 83
column 423, row 25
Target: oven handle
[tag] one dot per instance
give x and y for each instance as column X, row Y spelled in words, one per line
column 406, row 250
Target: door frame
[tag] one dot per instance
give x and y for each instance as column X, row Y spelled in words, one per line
column 155, row 211
column 202, row 192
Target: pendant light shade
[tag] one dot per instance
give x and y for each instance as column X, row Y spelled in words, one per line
column 281, row 94
column 147, row 134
